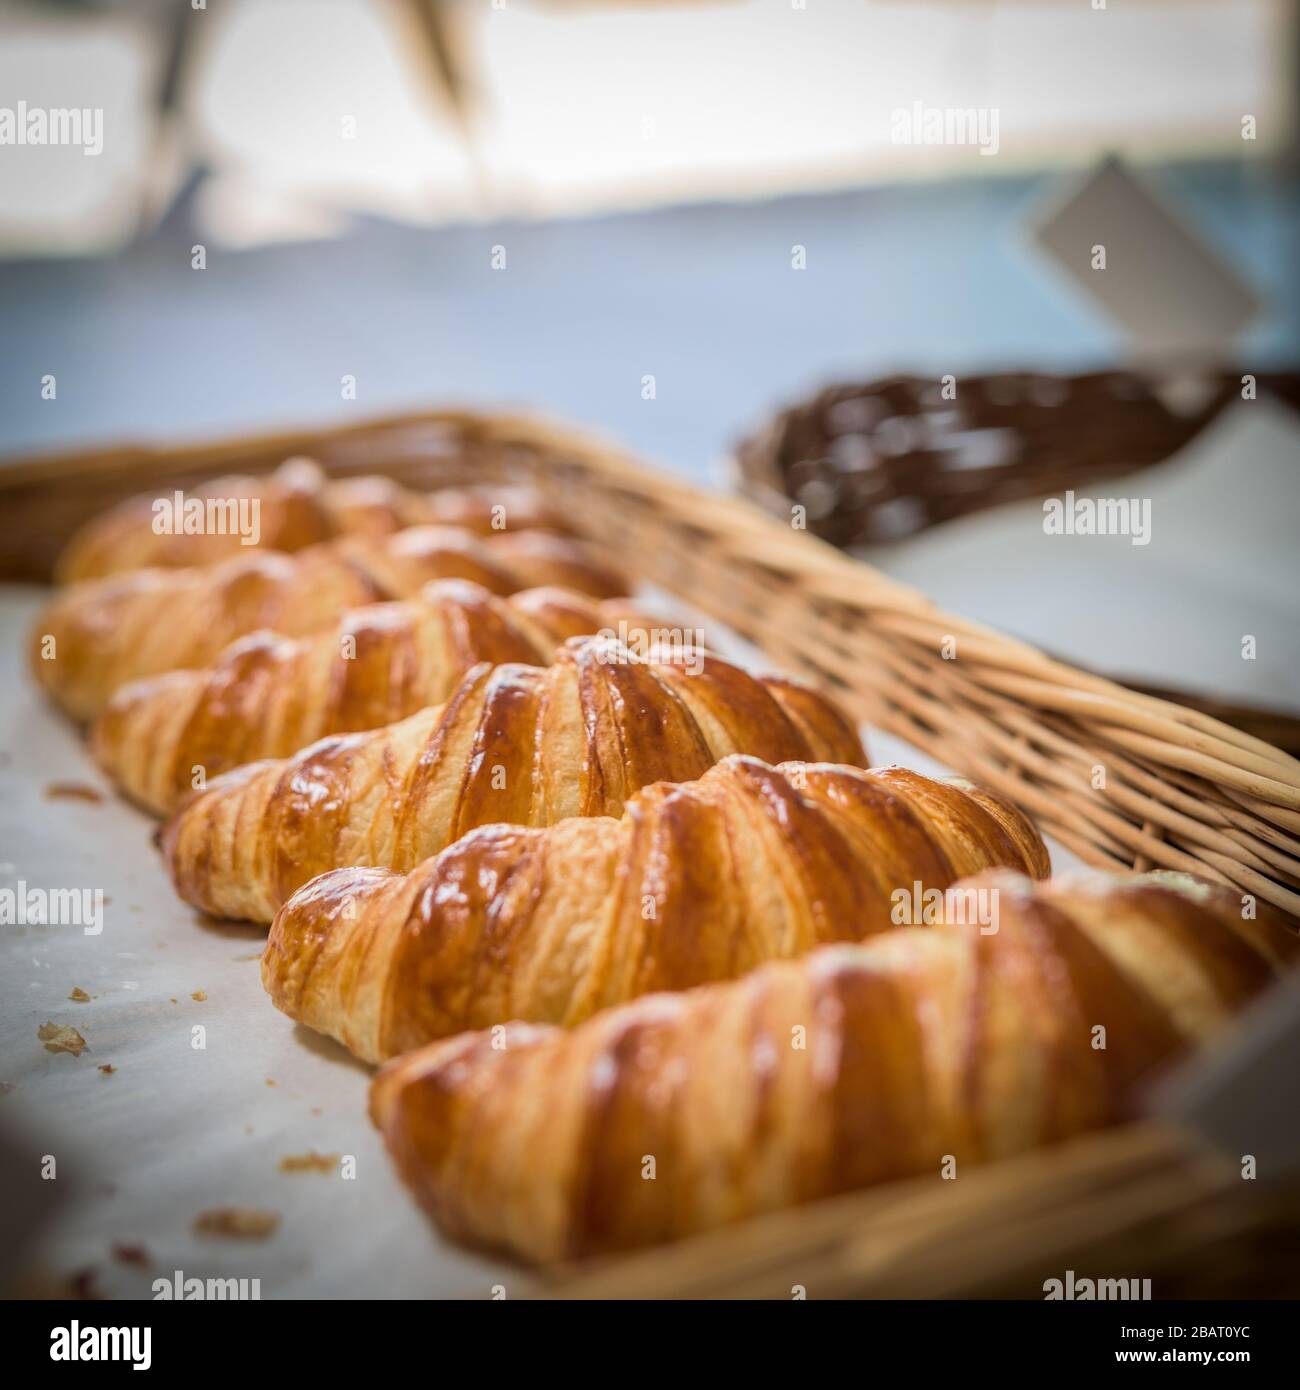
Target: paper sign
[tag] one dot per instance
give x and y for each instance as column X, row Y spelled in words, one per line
column 1143, row 266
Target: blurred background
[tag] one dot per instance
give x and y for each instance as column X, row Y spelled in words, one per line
column 669, row 220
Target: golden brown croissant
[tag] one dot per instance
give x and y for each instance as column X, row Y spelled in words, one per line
column 515, row 744
column 95, row 637
column 268, row 696
column 297, row 506
column 488, row 510
column 851, row 1066
column 696, row 882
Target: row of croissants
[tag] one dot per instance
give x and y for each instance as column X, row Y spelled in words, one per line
column 643, row 946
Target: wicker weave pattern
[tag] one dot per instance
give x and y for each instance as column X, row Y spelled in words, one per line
column 877, row 460
column 1182, row 791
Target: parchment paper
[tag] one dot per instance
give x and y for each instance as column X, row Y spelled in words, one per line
column 177, row 1129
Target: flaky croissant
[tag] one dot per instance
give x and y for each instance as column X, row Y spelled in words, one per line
column 696, row 882
column 517, row 744
column 919, row 1052
column 95, row 637
column 268, row 696
column 297, row 506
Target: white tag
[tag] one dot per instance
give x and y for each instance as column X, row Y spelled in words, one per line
column 1144, row 267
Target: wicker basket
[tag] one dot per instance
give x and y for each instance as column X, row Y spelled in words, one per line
column 1146, row 1198
column 1181, row 791
column 872, row 461
column 1121, row 779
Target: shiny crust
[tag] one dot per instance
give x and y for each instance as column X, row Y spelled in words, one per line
column 110, row 631
column 298, row 506
column 516, row 744
column 488, row 510
column 918, row 1044
column 269, row 696
column 696, row 882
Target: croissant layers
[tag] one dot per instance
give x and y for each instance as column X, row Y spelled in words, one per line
column 268, row 696
column 292, row 508
column 96, row 637
column 851, row 1066
column 514, row 743
column 695, row 883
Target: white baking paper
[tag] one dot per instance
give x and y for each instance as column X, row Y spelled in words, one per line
column 177, row 1129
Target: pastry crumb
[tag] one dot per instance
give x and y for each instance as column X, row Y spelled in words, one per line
column 79, row 995
column 72, row 791
column 242, row 1222
column 309, row 1163
column 108, row 1069
column 131, row 1254
column 270, row 1081
column 58, row 1037
column 198, row 995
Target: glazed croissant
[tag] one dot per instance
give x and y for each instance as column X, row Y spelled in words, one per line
column 514, row 743
column 851, row 1066
column 268, row 696
column 95, row 637
column 696, row 882
column 297, row 506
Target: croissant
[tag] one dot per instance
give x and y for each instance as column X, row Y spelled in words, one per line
column 514, row 743
column 268, row 696
column 297, row 506
column 848, row 1067
column 695, row 882
column 97, row 636
column 489, row 510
